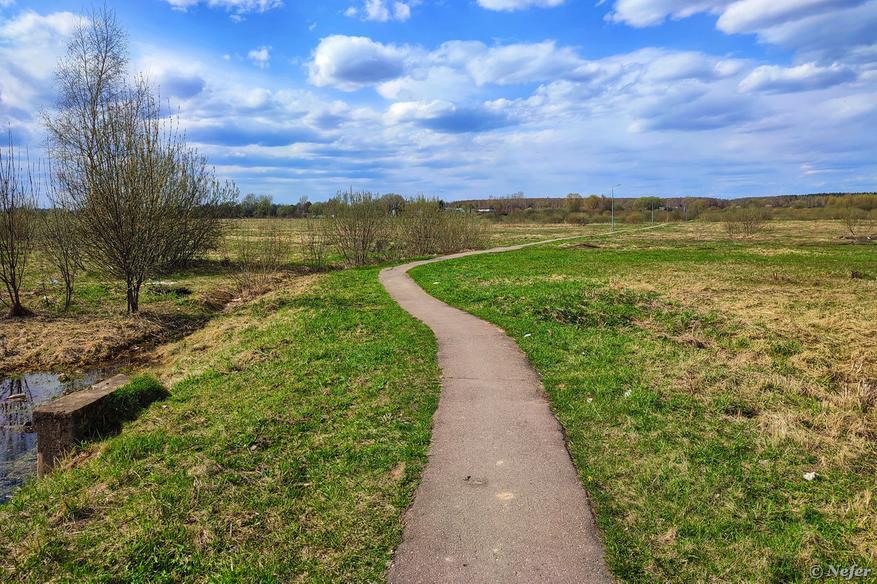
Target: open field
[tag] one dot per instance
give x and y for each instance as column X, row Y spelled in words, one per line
column 699, row 378
column 96, row 329
column 291, row 443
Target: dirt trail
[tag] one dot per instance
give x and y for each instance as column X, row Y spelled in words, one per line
column 500, row 500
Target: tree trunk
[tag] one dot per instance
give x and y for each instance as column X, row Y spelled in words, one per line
column 133, row 295
column 16, row 309
column 68, row 294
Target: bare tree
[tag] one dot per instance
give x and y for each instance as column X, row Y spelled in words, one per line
column 18, row 226
column 142, row 199
column 199, row 200
column 61, row 241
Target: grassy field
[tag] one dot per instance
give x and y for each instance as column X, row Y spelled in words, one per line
column 699, row 379
column 96, row 329
column 289, row 447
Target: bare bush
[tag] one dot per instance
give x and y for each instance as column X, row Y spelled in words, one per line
column 143, row 200
column 425, row 227
column 419, row 226
column 314, row 244
column 18, row 227
column 259, row 261
column 746, row 221
column 358, row 226
column 857, row 221
column 461, row 231
column 62, row 247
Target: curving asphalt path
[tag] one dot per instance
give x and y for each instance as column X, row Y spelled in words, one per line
column 500, row 500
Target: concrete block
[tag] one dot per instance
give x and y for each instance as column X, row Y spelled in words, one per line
column 63, row 422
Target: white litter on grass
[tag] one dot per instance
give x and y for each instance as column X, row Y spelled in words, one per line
column 528, row 335
column 809, row 476
column 590, row 399
column 628, row 393
column 435, row 282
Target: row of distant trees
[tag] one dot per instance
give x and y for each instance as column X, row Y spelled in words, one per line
column 857, row 211
column 129, row 197
column 262, row 206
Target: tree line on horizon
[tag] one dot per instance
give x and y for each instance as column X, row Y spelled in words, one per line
column 576, row 208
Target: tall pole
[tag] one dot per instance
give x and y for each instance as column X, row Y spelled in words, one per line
column 613, row 206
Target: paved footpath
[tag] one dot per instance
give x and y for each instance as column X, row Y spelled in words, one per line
column 500, row 500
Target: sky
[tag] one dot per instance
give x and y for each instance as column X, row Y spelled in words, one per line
column 476, row 98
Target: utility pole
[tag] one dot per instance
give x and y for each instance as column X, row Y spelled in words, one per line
column 613, row 206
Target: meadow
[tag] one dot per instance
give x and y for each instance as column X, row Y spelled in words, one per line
column 700, row 379
column 96, row 330
column 718, row 394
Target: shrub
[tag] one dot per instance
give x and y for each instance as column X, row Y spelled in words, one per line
column 746, row 221
column 61, row 242
column 259, row 261
column 358, row 226
column 425, row 227
column 314, row 243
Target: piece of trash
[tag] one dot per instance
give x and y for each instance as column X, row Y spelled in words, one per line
column 809, row 476
column 253, row 448
column 590, row 399
column 627, row 393
column 528, row 335
column 435, row 282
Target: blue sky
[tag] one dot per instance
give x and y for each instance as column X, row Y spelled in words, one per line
column 461, row 98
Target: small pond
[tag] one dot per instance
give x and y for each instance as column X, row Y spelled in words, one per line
column 18, row 398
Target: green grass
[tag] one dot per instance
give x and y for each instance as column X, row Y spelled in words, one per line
column 691, row 423
column 287, row 451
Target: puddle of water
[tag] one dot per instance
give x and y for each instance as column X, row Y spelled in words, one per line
column 18, row 398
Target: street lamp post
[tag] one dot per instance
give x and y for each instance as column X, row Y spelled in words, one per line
column 613, row 206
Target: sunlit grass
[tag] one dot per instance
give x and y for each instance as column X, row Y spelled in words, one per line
column 291, row 443
column 698, row 379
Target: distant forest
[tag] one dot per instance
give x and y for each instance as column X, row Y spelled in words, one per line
column 576, row 208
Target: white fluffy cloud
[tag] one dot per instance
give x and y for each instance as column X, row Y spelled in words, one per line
column 642, row 13
column 383, row 10
column 819, row 29
column 450, row 118
column 260, row 57
column 752, row 15
column 511, row 5
column 348, row 63
column 809, row 76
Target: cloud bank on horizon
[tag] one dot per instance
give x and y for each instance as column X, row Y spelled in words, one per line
column 460, row 98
